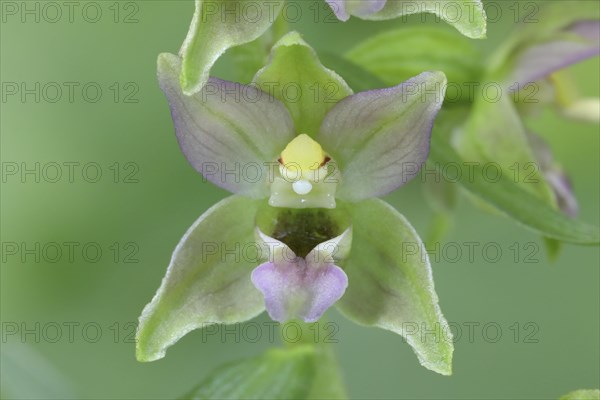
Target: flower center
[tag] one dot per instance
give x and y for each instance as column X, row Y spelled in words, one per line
column 302, row 230
column 303, row 162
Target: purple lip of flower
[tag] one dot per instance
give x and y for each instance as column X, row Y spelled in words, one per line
column 379, row 137
column 301, row 287
column 297, row 289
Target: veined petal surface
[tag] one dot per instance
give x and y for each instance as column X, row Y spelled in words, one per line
column 380, row 138
column 230, row 133
column 205, row 284
column 391, row 283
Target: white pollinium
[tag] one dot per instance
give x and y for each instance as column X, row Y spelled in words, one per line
column 302, row 187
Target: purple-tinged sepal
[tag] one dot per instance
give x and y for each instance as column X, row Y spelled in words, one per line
column 380, row 138
column 229, row 132
column 533, row 52
column 532, row 62
column 569, row 45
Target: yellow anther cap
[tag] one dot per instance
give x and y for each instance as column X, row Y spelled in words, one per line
column 303, row 153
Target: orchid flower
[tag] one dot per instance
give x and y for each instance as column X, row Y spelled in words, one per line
column 308, row 213
column 533, row 60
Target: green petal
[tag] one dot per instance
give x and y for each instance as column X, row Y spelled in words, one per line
column 467, row 16
column 216, row 26
column 296, row 77
column 204, row 283
column 391, row 284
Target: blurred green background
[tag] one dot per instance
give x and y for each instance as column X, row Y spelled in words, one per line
column 558, row 351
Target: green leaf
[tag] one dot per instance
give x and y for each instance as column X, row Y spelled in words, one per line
column 204, row 283
column 216, row 26
column 495, row 136
column 494, row 133
column 278, row 374
column 391, row 284
column 358, row 79
column 512, row 200
column 396, row 55
column 467, row 16
column 296, row 77
column 583, row 394
column 288, row 373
